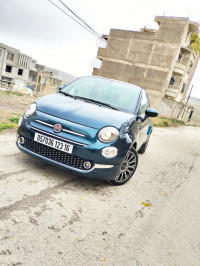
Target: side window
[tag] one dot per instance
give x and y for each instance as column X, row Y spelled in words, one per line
column 144, row 103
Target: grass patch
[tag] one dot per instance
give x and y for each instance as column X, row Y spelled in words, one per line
column 11, row 93
column 18, row 115
column 14, row 120
column 4, row 125
column 10, row 122
column 167, row 122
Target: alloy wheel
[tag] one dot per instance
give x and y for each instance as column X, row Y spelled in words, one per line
column 128, row 167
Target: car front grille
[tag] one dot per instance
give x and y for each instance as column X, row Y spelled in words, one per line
column 56, row 155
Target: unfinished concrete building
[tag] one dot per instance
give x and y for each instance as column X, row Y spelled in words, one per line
column 20, row 72
column 43, row 80
column 14, row 68
column 161, row 61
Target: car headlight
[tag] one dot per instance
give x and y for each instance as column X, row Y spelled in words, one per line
column 108, row 134
column 20, row 121
column 31, row 109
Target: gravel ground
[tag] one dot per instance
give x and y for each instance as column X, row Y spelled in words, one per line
column 52, row 217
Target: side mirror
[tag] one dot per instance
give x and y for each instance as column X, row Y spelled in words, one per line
column 151, row 112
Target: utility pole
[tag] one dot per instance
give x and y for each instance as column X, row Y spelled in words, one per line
column 187, row 102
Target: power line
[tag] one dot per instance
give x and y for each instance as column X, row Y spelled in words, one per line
column 70, row 16
column 88, row 27
column 95, row 32
column 82, row 20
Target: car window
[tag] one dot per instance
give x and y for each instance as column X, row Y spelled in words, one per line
column 123, row 96
column 144, row 103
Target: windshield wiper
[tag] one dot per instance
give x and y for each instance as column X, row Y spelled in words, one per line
column 94, row 101
column 66, row 94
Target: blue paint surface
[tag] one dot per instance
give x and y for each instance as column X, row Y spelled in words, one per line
column 149, row 130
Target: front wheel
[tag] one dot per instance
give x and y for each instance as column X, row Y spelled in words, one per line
column 127, row 169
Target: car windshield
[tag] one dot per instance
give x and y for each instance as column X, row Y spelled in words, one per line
column 116, row 94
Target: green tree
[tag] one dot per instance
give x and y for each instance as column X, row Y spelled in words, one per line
column 195, row 42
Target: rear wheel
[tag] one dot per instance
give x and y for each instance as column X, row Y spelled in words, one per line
column 127, row 169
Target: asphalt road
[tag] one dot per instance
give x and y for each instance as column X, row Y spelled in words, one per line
column 52, row 217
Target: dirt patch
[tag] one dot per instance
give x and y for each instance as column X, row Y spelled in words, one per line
column 13, row 105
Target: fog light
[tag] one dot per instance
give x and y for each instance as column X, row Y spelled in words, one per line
column 109, row 152
column 87, row 165
column 21, row 140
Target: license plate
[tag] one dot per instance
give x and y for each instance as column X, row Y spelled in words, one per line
column 53, row 143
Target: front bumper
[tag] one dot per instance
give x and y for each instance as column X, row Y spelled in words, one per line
column 99, row 171
column 101, row 167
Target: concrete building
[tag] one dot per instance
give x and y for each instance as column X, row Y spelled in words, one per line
column 161, row 61
column 43, row 80
column 14, row 68
column 20, row 72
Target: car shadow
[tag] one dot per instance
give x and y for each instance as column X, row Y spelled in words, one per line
column 60, row 175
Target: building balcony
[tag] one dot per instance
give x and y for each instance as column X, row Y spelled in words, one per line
column 186, row 49
column 193, row 26
column 34, row 69
column 180, row 68
column 172, row 91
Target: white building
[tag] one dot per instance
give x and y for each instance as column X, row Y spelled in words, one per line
column 14, row 68
column 20, row 72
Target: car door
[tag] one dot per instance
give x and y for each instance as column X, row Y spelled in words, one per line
column 142, row 119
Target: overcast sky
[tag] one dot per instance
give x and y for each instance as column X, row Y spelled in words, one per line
column 39, row 29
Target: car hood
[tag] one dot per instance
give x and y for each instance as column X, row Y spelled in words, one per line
column 81, row 112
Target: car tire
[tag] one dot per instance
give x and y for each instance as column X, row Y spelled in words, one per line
column 127, row 169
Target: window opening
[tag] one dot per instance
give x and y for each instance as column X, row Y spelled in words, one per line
column 10, row 56
column 172, row 80
column 8, row 68
column 20, row 71
column 183, row 88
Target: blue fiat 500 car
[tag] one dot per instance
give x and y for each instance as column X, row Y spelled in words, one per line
column 93, row 126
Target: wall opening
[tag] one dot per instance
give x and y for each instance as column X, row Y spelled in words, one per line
column 8, row 69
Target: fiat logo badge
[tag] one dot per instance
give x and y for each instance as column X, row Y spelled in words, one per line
column 57, row 128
